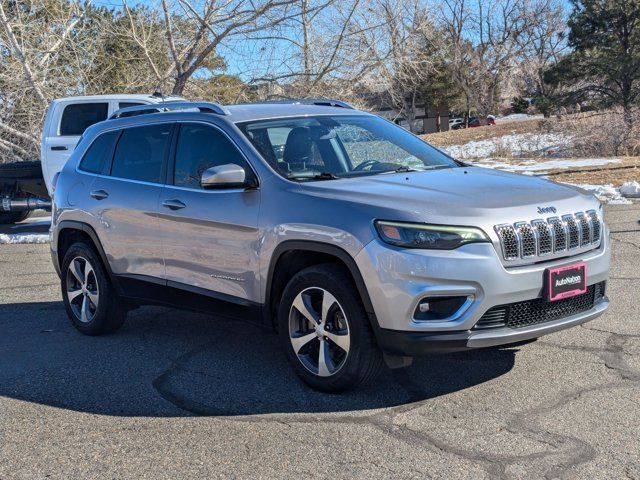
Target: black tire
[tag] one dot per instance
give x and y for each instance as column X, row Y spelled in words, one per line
column 13, row 217
column 105, row 317
column 17, row 170
column 363, row 361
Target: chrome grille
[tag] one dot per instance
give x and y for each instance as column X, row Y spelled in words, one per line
column 540, row 237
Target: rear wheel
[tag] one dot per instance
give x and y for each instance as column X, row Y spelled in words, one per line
column 325, row 330
column 88, row 295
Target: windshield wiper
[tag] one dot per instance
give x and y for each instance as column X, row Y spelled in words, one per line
column 319, row 176
column 404, row 168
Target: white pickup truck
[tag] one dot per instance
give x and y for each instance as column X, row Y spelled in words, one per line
column 26, row 186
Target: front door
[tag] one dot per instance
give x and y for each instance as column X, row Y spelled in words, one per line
column 210, row 237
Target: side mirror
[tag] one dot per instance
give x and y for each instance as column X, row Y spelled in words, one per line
column 224, row 176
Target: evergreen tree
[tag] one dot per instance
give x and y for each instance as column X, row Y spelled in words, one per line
column 604, row 65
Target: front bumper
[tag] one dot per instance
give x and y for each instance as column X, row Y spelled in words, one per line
column 416, row 343
column 398, row 279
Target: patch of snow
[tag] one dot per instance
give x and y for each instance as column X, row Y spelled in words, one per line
column 15, row 238
column 630, row 189
column 543, row 166
column 605, row 193
column 515, row 117
column 514, row 145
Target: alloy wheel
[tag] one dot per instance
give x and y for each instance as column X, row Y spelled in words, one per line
column 319, row 331
column 82, row 289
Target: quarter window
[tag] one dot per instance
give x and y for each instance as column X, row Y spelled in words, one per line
column 140, row 153
column 200, row 147
column 78, row 117
column 129, row 104
column 99, row 151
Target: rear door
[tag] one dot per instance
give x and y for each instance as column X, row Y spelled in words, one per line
column 125, row 200
column 210, row 237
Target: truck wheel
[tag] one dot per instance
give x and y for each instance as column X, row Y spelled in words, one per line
column 21, row 170
column 13, row 217
column 89, row 298
column 325, row 330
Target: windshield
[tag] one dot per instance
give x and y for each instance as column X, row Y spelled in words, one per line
column 333, row 146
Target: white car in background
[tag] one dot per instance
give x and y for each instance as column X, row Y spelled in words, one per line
column 27, row 186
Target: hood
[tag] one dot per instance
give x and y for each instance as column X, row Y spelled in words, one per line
column 457, row 195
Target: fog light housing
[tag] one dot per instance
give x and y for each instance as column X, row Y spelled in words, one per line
column 441, row 308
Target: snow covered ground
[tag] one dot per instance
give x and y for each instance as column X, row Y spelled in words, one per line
column 488, row 153
column 542, row 166
column 12, row 238
column 514, row 145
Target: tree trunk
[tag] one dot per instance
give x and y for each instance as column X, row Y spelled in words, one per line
column 179, row 84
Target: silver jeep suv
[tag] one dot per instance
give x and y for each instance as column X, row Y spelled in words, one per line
column 355, row 240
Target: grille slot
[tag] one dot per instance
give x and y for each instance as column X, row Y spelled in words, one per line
column 595, row 224
column 509, row 241
column 559, row 233
column 527, row 239
column 533, row 312
column 585, row 228
column 545, row 243
column 540, row 237
column 572, row 228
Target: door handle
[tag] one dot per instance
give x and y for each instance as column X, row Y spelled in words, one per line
column 59, row 147
column 174, row 204
column 99, row 194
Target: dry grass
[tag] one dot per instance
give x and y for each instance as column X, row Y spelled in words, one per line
column 626, row 170
column 460, row 137
column 616, row 174
column 592, row 134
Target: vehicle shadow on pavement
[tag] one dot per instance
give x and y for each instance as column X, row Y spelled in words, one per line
column 167, row 362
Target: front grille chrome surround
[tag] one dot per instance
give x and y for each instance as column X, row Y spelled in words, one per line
column 546, row 237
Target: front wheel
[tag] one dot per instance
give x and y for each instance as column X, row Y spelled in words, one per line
column 325, row 330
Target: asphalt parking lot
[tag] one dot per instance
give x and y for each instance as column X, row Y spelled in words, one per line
column 184, row 395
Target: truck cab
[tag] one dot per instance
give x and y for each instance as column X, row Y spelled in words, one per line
column 27, row 186
column 67, row 119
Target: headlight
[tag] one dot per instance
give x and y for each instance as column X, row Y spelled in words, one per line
column 419, row 235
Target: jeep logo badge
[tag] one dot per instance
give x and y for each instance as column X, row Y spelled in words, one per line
column 542, row 210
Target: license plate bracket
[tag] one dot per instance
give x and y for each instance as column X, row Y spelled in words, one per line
column 567, row 281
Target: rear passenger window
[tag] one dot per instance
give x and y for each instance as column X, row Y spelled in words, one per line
column 77, row 118
column 98, row 152
column 199, row 148
column 140, row 153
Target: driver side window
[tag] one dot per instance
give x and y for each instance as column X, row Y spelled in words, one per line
column 199, row 148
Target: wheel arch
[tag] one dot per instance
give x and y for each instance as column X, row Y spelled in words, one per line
column 291, row 256
column 69, row 232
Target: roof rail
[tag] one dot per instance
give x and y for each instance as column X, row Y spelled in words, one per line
column 205, row 107
column 326, row 102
